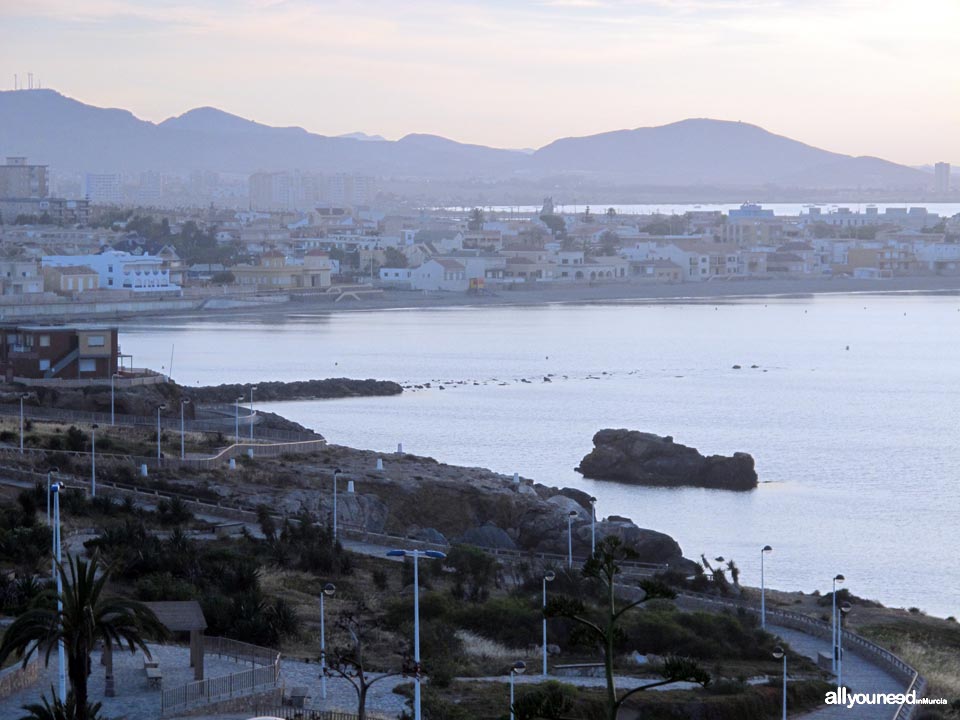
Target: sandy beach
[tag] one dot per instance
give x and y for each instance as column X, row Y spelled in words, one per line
column 634, row 292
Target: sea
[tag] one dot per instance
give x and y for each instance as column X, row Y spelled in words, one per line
column 780, row 209
column 848, row 404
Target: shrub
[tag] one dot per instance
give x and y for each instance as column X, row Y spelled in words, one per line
column 379, row 578
column 164, row 586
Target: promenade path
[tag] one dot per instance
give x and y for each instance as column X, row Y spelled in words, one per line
column 859, row 676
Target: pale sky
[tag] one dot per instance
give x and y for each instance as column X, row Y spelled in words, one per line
column 864, row 77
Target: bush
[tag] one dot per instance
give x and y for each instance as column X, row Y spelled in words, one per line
column 379, row 578
column 76, row 439
column 164, row 586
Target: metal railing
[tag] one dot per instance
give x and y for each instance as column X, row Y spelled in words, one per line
column 870, row 651
column 265, row 673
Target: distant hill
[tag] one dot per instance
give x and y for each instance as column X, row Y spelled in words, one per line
column 74, row 137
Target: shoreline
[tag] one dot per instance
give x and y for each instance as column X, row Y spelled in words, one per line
column 720, row 291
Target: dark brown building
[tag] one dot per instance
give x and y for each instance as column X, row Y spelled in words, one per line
column 51, row 352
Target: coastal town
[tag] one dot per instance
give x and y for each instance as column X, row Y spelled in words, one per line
column 348, row 241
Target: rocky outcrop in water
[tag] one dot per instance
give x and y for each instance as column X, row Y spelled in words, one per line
column 646, row 459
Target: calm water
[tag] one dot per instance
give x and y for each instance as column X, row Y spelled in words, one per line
column 944, row 209
column 856, row 448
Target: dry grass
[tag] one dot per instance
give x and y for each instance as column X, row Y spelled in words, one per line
column 940, row 666
column 479, row 647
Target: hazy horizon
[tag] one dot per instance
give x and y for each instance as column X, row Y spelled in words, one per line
column 854, row 77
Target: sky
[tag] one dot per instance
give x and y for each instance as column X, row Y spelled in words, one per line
column 863, row 77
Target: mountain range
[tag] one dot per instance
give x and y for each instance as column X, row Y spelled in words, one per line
column 71, row 136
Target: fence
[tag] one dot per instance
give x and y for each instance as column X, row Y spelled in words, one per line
column 267, row 673
column 225, row 425
column 870, row 651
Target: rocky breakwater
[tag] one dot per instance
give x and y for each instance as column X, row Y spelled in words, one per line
column 423, row 499
column 646, row 459
column 325, row 389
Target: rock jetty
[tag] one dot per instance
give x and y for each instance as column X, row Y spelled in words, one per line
column 643, row 458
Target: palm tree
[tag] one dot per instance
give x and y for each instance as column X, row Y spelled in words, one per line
column 58, row 710
column 88, row 615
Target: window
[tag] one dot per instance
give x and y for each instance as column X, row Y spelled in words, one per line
column 44, row 341
column 88, row 365
column 96, row 341
column 44, row 365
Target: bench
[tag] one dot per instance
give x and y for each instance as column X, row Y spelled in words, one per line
column 154, row 677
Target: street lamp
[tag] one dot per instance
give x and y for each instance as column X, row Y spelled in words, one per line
column 833, row 623
column 328, row 590
column 593, row 526
column 237, row 424
column 61, row 672
column 779, row 653
column 22, row 398
column 336, row 476
column 252, row 388
column 112, row 399
column 570, row 516
column 93, row 460
column 845, row 607
column 183, row 401
column 159, row 408
column 518, row 667
column 49, row 473
column 416, row 555
column 763, row 590
column 548, row 576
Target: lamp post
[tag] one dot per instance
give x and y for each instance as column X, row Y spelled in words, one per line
column 833, row 623
column 236, row 431
column 570, row 516
column 518, row 667
column 593, row 526
column 49, row 473
column 548, row 576
column 93, row 460
column 844, row 609
column 61, row 671
column 328, row 590
column 159, row 408
column 763, row 590
column 336, row 477
column 183, row 401
column 22, row 398
column 113, row 376
column 416, row 554
column 779, row 653
column 252, row 388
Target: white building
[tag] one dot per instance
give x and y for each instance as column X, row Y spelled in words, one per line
column 433, row 275
column 121, row 270
column 103, row 189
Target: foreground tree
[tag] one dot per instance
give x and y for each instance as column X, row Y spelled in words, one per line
column 58, row 710
column 602, row 624
column 88, row 616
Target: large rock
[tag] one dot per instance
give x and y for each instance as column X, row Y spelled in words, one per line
column 489, row 536
column 647, row 459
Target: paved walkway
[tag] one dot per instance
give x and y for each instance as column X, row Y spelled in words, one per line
column 858, row 675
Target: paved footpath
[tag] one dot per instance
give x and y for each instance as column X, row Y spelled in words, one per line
column 858, row 675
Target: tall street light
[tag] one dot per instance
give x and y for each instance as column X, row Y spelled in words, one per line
column 593, row 526
column 833, row 622
column 570, row 516
column 159, row 408
column 416, row 555
column 763, row 590
column 518, row 667
column 113, row 404
column 61, row 671
column 844, row 609
column 93, row 460
column 548, row 576
column 252, row 388
column 779, row 653
column 336, row 479
column 49, row 473
column 183, row 401
column 22, row 398
column 237, row 422
column 328, row 590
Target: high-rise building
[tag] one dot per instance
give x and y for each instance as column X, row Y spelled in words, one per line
column 102, row 189
column 941, row 178
column 20, row 180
